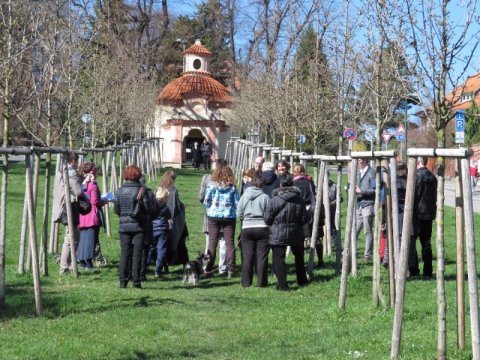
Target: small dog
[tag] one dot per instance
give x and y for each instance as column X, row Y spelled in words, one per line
column 193, row 269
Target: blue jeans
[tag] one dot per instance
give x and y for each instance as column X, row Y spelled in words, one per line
column 162, row 241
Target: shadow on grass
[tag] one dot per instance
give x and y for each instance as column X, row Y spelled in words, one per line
column 164, row 354
column 21, row 303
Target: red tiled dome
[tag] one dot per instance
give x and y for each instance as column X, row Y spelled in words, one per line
column 198, row 49
column 195, row 84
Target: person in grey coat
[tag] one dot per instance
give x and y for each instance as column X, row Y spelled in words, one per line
column 286, row 213
column 74, row 182
column 365, row 192
column 255, row 233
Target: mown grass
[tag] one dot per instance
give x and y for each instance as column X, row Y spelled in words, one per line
column 91, row 318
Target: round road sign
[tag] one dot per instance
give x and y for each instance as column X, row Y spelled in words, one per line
column 350, row 134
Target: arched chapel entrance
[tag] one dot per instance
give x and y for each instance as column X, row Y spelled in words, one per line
column 194, row 135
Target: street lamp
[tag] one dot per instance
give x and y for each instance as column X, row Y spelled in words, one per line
column 86, row 118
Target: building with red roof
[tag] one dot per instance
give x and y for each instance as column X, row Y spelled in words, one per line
column 192, row 108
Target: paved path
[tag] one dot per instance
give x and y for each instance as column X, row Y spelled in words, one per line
column 450, row 195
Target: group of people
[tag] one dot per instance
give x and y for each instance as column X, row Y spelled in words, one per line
column 424, row 212
column 152, row 226
column 276, row 211
column 275, row 208
column 202, row 155
column 86, row 227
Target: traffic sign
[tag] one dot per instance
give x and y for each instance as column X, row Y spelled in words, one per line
column 400, row 137
column 350, row 134
column 460, row 120
column 301, row 139
column 386, row 137
column 400, row 129
column 459, row 127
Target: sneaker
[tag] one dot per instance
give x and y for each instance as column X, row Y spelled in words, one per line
column 90, row 268
column 64, row 272
column 230, row 274
column 156, row 275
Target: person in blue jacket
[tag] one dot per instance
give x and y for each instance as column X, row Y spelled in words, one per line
column 221, row 199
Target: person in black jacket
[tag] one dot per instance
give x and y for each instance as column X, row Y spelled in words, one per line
column 206, row 150
column 307, row 189
column 285, row 215
column 132, row 231
column 271, row 181
column 424, row 211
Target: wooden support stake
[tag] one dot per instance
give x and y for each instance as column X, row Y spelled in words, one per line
column 348, row 233
column 389, row 231
column 327, row 246
column 23, row 236
column 338, row 222
column 459, row 225
column 53, row 242
column 105, row 190
column 33, row 237
column 71, row 226
column 402, row 266
column 471, row 259
column 316, row 219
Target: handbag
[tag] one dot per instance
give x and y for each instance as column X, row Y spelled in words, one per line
column 138, row 210
column 84, row 204
column 75, row 214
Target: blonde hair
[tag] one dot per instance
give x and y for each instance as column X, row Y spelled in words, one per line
column 298, row 169
column 161, row 193
column 168, row 179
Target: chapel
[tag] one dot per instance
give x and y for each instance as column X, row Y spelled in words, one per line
column 192, row 108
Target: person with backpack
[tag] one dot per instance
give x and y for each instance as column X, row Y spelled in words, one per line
column 133, row 206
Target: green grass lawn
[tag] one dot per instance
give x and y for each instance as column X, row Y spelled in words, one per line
column 91, row 318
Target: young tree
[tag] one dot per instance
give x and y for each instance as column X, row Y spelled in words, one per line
column 442, row 47
column 17, row 29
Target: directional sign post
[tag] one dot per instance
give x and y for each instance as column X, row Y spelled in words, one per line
column 459, row 127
